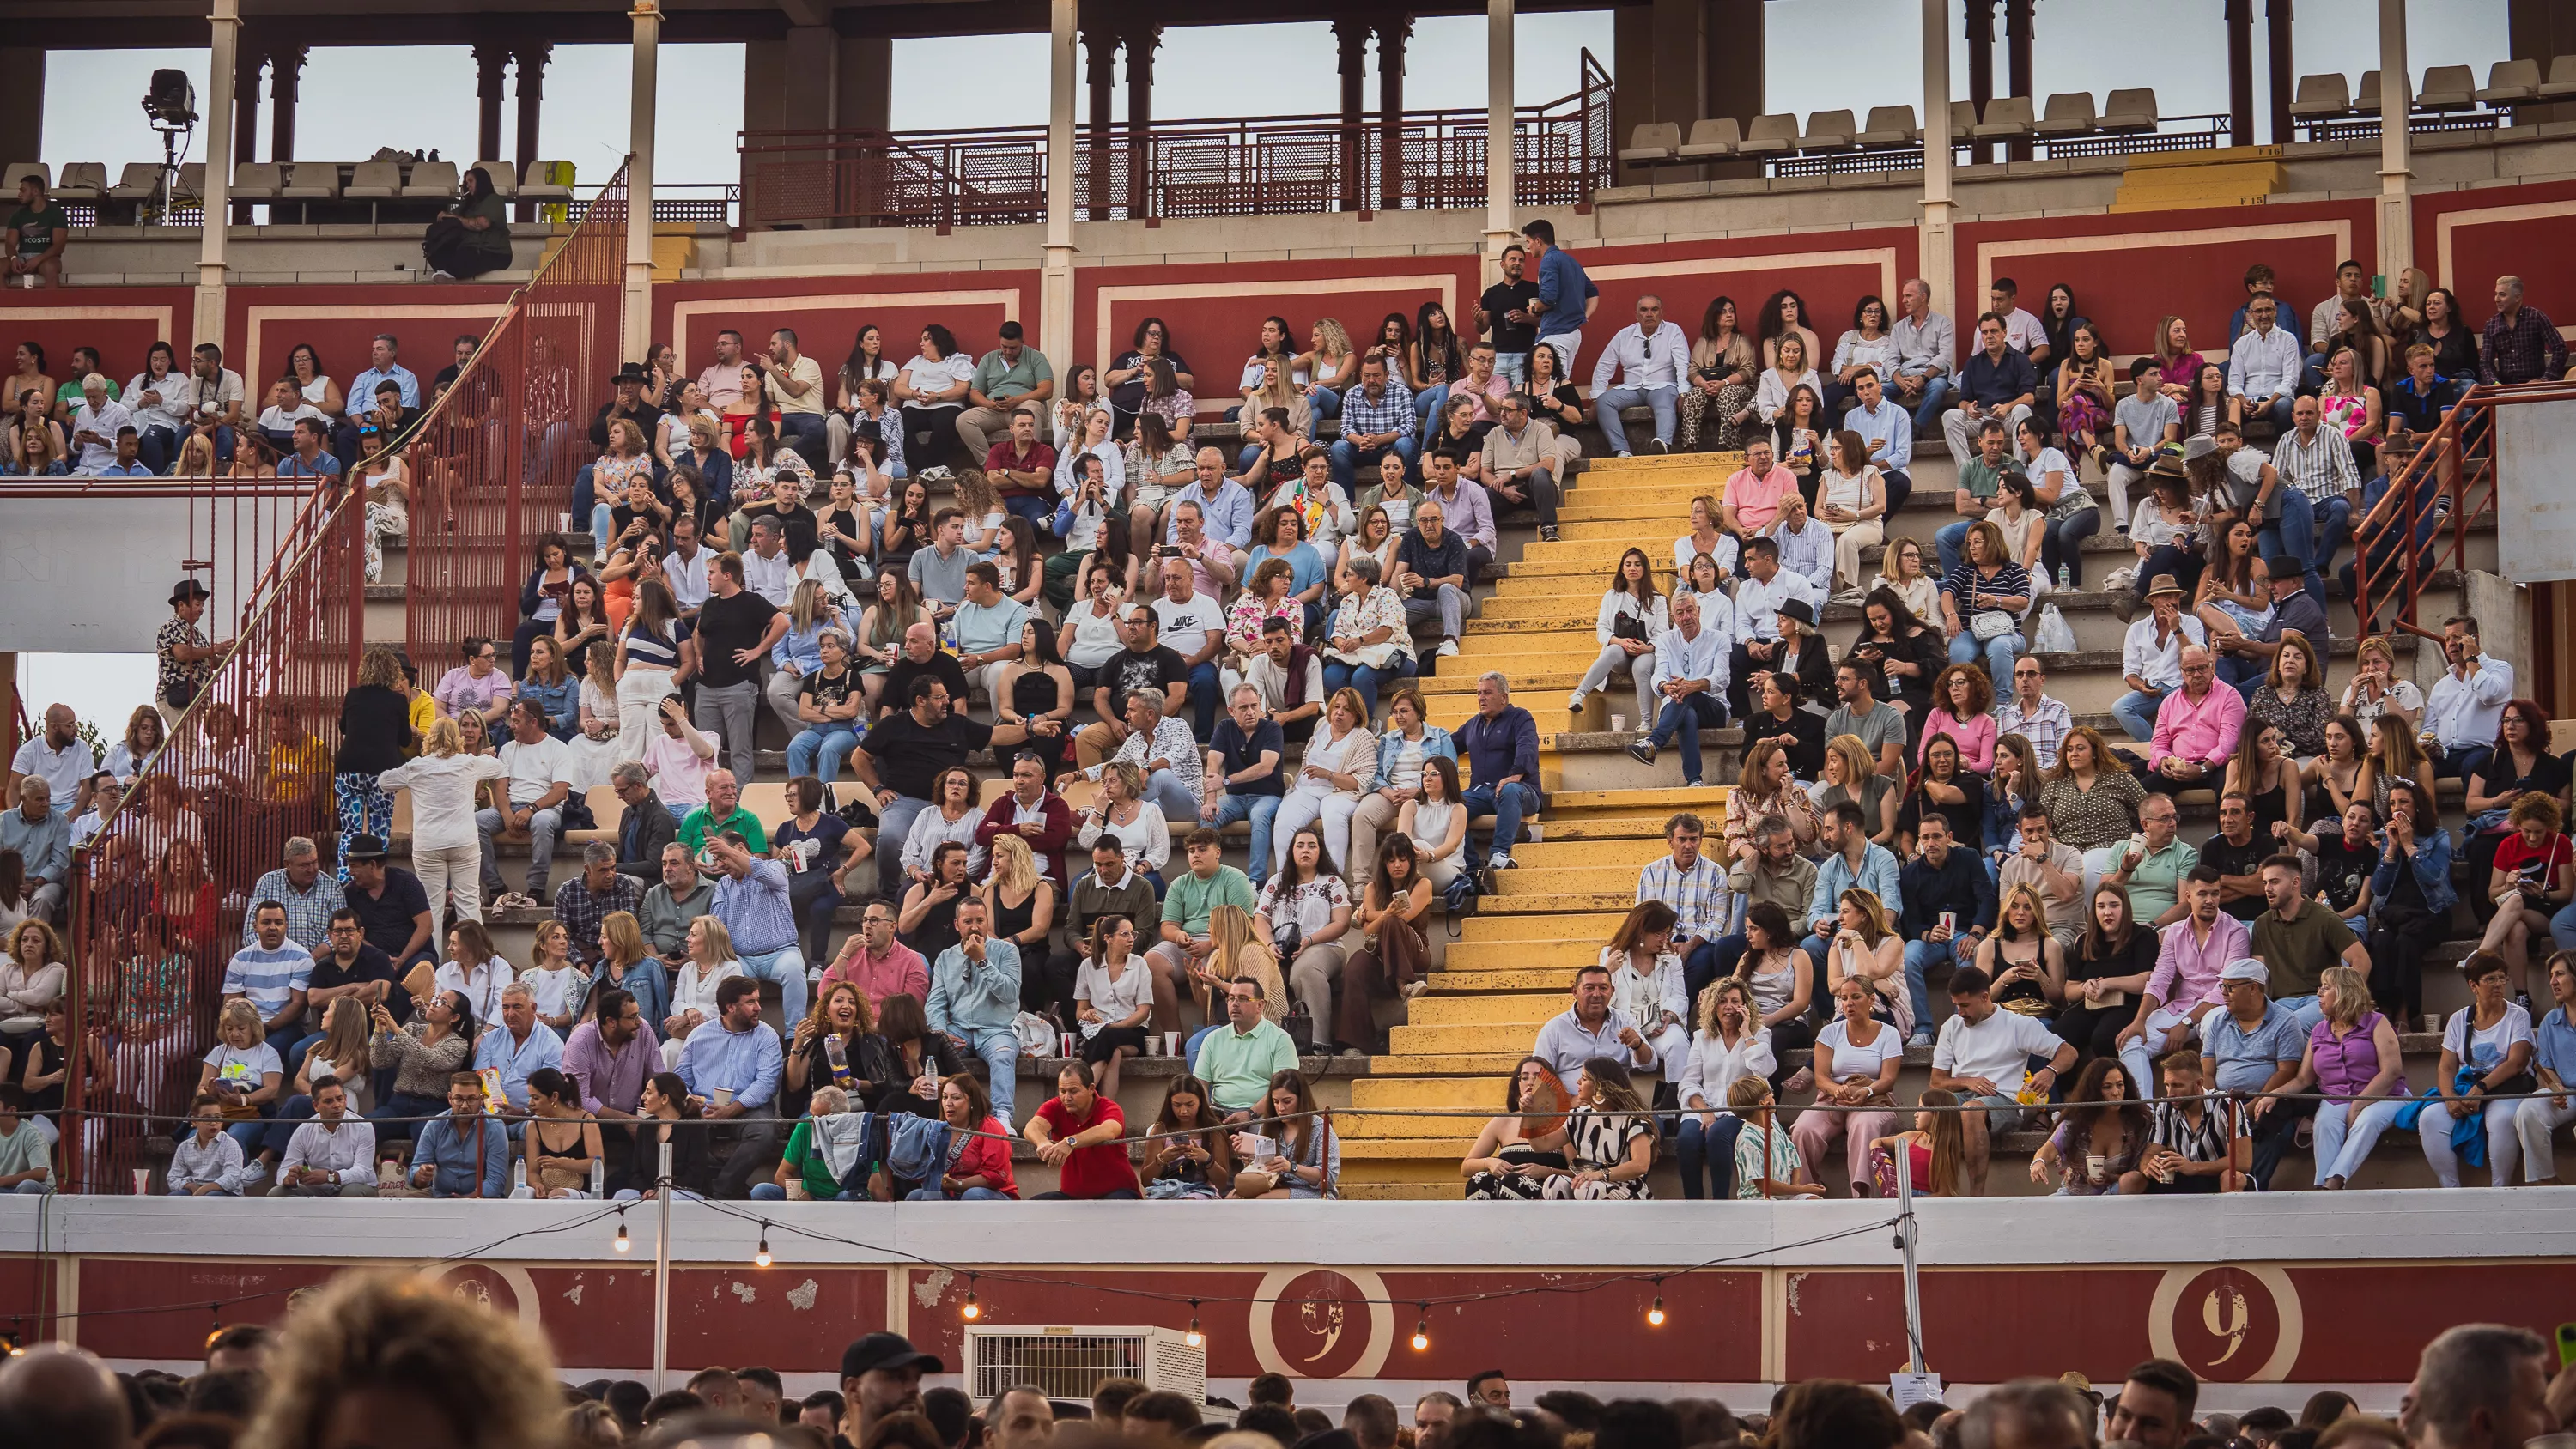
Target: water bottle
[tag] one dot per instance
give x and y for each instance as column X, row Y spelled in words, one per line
column 2065, row 577
column 598, row 1178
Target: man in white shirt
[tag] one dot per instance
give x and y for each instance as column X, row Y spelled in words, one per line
column 1887, row 430
column 61, row 758
column 1984, row 1055
column 2264, row 367
column 2022, row 330
column 794, row 385
column 214, row 399
column 2465, row 711
column 540, row 780
column 1193, row 625
column 2151, row 656
column 1690, row 677
column 94, row 426
column 1758, row 599
column 767, row 570
column 1925, row 341
column 2143, row 424
column 2352, row 285
column 332, row 1154
column 684, row 568
column 1649, row 356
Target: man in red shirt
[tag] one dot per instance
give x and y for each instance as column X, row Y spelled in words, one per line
column 1023, row 471
column 1070, row 1132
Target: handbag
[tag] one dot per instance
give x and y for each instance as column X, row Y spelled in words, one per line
column 1286, row 939
column 1300, row 1028
column 1988, row 625
column 1628, row 626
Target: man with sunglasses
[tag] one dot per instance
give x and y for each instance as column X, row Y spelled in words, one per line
column 1648, row 356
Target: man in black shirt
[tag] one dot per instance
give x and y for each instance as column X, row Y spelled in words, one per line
column 1431, row 574
column 628, row 403
column 1503, row 319
column 922, row 659
column 466, row 344
column 2237, row 852
column 1146, row 663
column 903, row 755
column 735, row 629
column 1243, row 774
column 392, row 907
column 350, row 965
column 786, row 504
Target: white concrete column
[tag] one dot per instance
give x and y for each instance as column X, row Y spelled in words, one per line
column 209, row 322
column 1934, row 237
column 1055, row 285
column 2396, row 166
column 1498, row 133
column 636, row 336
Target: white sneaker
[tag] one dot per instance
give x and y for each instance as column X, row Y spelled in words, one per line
column 1448, row 649
column 1574, row 702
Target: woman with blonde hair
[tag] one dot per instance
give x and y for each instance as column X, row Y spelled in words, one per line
column 626, row 963
column 1936, row 1150
column 2354, row 1061
column 1136, row 823
column 1236, row 949
column 1020, row 903
column 1338, row 761
column 144, row 733
column 1730, row 1042
column 373, row 1348
column 594, row 736
column 2021, row 959
column 1851, row 773
column 2376, row 688
column 1765, row 790
column 446, row 847
column 559, row 984
column 710, row 960
column 244, row 1071
column 1329, row 362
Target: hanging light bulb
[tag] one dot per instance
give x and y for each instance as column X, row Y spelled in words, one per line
column 1655, row 1315
column 1194, row 1338
column 623, row 1244
column 1422, row 1327
column 970, row 1310
column 760, row 1255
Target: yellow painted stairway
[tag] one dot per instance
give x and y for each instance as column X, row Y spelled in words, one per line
column 1536, row 624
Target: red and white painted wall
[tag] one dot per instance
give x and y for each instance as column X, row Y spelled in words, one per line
column 2263, row 1297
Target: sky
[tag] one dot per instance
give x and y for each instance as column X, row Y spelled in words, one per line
column 356, row 100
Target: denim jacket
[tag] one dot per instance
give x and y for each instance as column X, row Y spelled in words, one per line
column 1435, row 741
column 561, row 702
column 2432, row 862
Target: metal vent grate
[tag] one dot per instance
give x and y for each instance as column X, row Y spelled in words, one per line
column 1068, row 1363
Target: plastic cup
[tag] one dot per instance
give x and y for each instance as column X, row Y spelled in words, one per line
column 563, row 523
column 2095, row 1166
column 1171, row 1043
column 724, row 1096
column 1618, row 724
column 142, row 1181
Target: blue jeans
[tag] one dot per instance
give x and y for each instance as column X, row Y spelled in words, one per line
column 1327, row 403
column 2334, row 529
column 1000, row 1049
column 2294, row 536
column 1260, row 810
column 2305, row 1008
column 1507, row 804
column 894, row 823
column 818, row 750
column 158, row 447
column 1606, row 406
column 809, row 434
column 786, row 966
column 1366, row 678
column 2136, row 712
column 1920, row 958
column 1512, row 365
column 1999, row 652
column 1204, row 689
column 1951, row 543
column 1426, row 406
column 972, row 1194
column 1348, row 456
column 1708, row 1156
column 2278, row 412
column 1937, row 392
column 2562, row 928
column 1687, row 716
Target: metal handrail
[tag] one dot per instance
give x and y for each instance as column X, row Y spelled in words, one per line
column 2460, row 468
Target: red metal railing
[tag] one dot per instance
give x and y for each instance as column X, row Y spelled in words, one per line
column 493, row 469
column 157, row 898
column 1265, row 166
column 2431, row 504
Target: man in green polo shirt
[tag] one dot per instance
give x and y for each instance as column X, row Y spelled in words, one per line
column 37, row 231
column 1238, row 1060
column 1011, row 378
column 2299, row 938
column 1181, row 956
column 722, row 812
column 2153, row 867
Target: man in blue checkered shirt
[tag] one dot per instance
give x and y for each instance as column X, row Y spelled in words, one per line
column 1377, row 418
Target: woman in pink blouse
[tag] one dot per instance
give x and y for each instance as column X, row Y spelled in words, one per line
column 1962, row 698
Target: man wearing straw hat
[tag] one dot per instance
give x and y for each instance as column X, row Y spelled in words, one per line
column 2151, row 656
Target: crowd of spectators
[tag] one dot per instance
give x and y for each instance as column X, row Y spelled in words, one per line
column 1242, row 628
column 368, row 1347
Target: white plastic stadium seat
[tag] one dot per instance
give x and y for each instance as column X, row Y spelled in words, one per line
column 81, row 181
column 2322, row 97
column 19, row 170
column 374, row 181
column 1769, row 133
column 2069, row 113
column 311, row 181
column 2007, row 118
column 256, row 181
column 1889, row 126
column 544, row 190
column 2511, row 82
column 139, row 180
column 2128, row 111
column 1828, row 131
column 1963, row 119
column 504, row 176
column 2448, row 88
column 2366, row 99
column 1710, row 137
column 2562, row 79
column 432, row 180
column 1652, row 144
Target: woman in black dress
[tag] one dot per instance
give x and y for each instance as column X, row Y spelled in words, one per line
column 1038, row 686
column 2110, row 967
column 916, row 1059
